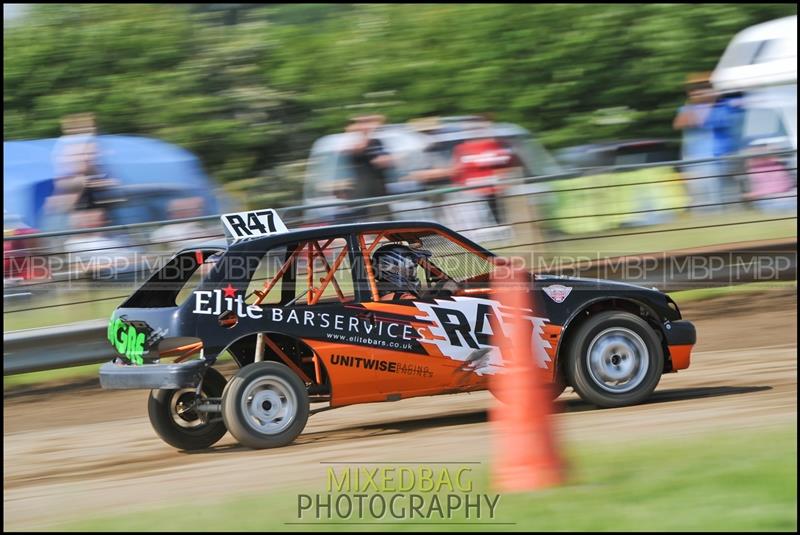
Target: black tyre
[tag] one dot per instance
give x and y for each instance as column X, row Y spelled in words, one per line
column 614, row 359
column 558, row 387
column 265, row 405
column 181, row 426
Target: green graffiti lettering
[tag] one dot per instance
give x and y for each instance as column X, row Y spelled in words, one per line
column 110, row 331
column 135, row 347
column 130, row 340
column 121, row 338
column 126, row 340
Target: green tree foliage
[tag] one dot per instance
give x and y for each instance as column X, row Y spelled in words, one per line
column 154, row 70
column 247, row 87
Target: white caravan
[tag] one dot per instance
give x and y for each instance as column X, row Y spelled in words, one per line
column 760, row 62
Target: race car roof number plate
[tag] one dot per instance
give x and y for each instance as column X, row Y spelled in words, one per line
column 254, row 224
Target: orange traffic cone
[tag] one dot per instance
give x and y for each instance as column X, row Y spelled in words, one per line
column 525, row 456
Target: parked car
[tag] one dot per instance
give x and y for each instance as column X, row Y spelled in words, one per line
column 608, row 196
column 414, row 146
column 616, row 153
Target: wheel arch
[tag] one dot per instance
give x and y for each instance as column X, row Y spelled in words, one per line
column 242, row 349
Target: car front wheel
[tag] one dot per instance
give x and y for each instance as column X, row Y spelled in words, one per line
column 615, row 359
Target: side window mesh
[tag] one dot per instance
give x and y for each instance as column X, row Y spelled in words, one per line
column 453, row 259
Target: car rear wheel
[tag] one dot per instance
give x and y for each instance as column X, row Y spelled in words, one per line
column 265, row 405
column 615, row 359
column 175, row 419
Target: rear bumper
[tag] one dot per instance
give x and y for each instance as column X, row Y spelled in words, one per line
column 681, row 337
column 115, row 376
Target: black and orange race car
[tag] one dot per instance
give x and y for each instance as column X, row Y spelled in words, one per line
column 301, row 315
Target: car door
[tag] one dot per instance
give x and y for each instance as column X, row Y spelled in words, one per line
column 325, row 314
column 439, row 342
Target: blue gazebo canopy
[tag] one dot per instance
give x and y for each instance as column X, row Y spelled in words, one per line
column 138, row 163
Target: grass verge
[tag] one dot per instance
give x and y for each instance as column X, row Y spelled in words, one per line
column 729, row 482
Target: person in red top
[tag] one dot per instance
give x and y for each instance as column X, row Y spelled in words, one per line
column 485, row 161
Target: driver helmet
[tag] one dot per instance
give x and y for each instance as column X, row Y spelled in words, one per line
column 395, row 268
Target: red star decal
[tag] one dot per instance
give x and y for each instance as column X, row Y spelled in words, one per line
column 229, row 290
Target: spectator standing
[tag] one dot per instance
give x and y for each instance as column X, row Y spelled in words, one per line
column 485, row 161
column 370, row 160
column 704, row 183
column 725, row 121
column 77, row 144
column 771, row 187
column 79, row 183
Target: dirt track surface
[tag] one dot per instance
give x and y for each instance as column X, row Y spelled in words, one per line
column 73, row 452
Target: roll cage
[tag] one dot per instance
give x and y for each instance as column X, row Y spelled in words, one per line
column 321, row 263
column 311, row 265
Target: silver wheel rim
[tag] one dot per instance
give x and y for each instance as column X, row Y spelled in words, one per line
column 182, row 411
column 269, row 405
column 618, row 360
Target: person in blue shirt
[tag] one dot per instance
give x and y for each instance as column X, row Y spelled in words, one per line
column 703, row 180
column 725, row 122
